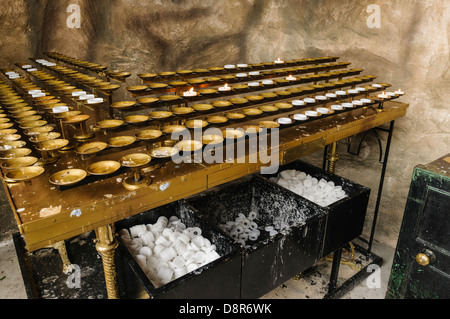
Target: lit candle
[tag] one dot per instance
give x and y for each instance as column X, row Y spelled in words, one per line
column 291, row 78
column 225, row 88
column 383, row 96
column 279, row 61
column 191, row 92
column 399, row 92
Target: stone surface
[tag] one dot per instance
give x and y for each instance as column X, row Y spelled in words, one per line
column 409, row 50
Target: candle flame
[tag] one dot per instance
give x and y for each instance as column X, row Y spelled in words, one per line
column 191, row 90
column 226, row 85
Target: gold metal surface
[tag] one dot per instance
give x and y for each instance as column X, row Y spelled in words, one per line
column 196, row 124
column 106, row 245
column 182, row 110
column 68, row 177
column 212, row 139
column 160, row 114
column 269, row 124
column 169, row 97
column 147, row 135
column 169, row 129
column 147, row 100
column 103, row 167
column 221, row 103
column 202, row 107
column 123, row 105
column 24, row 174
column 189, row 145
column 90, row 148
column 235, row 115
column 109, row 124
column 18, row 152
column 8, row 145
column 121, row 141
column 252, row 111
column 233, row 134
column 19, row 162
column 135, row 160
column 217, row 119
column 137, row 88
column 163, row 152
column 252, row 129
column 52, row 145
column 45, row 137
column 136, row 119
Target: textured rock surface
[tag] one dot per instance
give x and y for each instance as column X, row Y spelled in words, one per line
column 409, row 50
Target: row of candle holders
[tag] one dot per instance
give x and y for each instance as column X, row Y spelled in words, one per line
column 148, row 134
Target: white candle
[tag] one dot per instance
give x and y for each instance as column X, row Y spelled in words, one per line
column 353, row 91
column 87, row 97
column 300, row 117
column 253, row 73
column 383, row 96
column 341, row 93
column 337, row 107
column 291, row 78
column 390, row 93
column 95, row 100
column 309, row 100
column 298, row 102
column 279, row 61
column 267, row 82
column 229, row 66
column 79, row 93
column 331, row 95
column 60, row 109
column 191, row 92
column 224, row 88
column 241, row 75
column 321, row 97
column 253, row 84
column 399, row 92
column 242, row 65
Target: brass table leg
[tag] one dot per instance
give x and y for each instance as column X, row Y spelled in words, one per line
column 67, row 265
column 332, row 157
column 106, row 245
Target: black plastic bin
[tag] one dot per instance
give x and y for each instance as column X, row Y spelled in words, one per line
column 218, row 279
column 270, row 260
column 345, row 218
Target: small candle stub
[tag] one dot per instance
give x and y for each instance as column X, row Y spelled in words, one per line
column 399, row 92
column 225, row 88
column 291, row 78
column 191, row 92
column 383, row 96
column 279, row 61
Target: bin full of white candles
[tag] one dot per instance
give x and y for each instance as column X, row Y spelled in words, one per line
column 343, row 201
column 172, row 252
column 281, row 235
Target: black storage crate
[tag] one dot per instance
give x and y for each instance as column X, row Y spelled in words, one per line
column 345, row 218
column 270, row 260
column 218, row 279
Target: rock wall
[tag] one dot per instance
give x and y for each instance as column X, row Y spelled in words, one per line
column 410, row 49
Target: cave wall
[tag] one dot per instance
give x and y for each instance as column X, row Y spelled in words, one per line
column 410, row 49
